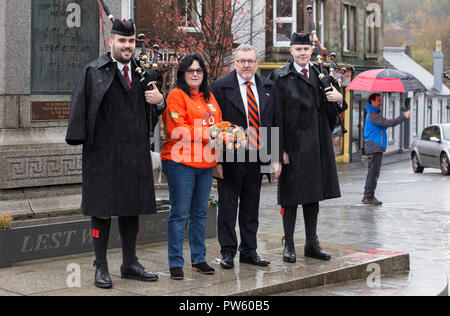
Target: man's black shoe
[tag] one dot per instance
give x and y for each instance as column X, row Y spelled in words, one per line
column 254, row 260
column 289, row 255
column 313, row 250
column 176, row 273
column 227, row 262
column 137, row 272
column 203, row 268
column 371, row 201
column 102, row 278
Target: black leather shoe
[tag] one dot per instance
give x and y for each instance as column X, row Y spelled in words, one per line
column 227, row 262
column 289, row 255
column 203, row 268
column 137, row 272
column 254, row 260
column 313, row 250
column 176, row 273
column 102, row 278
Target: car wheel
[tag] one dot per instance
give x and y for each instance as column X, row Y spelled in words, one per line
column 445, row 165
column 415, row 164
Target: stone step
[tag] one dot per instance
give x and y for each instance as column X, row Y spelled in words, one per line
column 401, row 284
column 346, row 265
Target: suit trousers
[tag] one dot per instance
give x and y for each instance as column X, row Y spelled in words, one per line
column 239, row 190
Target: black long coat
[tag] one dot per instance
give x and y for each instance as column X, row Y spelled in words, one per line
column 112, row 123
column 308, row 121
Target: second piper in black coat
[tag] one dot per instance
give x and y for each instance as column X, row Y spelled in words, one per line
column 309, row 166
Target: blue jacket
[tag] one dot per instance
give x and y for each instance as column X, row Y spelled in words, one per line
column 375, row 130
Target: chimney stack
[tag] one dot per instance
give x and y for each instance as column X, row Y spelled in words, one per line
column 438, row 67
column 408, row 51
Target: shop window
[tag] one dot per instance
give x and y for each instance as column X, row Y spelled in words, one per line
column 349, row 28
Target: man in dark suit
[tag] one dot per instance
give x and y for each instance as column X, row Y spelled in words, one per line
column 249, row 101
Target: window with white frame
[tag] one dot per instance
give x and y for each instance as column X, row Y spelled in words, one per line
column 128, row 9
column 285, row 22
column 371, row 34
column 319, row 16
column 190, row 12
column 349, row 28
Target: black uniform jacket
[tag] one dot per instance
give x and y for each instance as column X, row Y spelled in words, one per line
column 308, row 121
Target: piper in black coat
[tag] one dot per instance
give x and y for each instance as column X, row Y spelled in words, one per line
column 242, row 180
column 309, row 171
column 110, row 118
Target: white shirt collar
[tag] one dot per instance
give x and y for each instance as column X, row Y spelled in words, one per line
column 120, row 65
column 242, row 81
column 300, row 68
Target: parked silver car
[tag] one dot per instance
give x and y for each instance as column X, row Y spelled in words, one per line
column 432, row 150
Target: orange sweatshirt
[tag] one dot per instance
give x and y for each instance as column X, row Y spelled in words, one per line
column 186, row 121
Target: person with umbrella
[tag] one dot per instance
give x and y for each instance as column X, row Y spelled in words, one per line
column 375, row 131
column 375, row 137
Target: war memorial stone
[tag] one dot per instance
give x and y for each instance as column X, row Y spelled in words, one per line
column 44, row 46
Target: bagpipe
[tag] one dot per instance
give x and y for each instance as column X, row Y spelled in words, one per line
column 147, row 73
column 335, row 75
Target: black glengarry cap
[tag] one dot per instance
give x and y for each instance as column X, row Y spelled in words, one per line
column 301, row 39
column 123, row 27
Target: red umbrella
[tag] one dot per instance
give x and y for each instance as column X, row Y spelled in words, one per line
column 385, row 80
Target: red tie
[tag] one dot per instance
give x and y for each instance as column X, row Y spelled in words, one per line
column 253, row 119
column 125, row 75
column 305, row 73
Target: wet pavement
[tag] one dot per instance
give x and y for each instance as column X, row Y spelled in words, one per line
column 414, row 219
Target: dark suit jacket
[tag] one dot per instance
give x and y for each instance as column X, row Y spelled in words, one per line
column 229, row 98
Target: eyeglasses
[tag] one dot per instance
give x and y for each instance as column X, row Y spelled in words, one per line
column 193, row 71
column 251, row 62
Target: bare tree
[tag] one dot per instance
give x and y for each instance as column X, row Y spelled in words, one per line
column 208, row 27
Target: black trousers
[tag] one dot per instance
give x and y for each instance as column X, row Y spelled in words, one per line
column 310, row 216
column 239, row 190
column 373, row 174
column 128, row 228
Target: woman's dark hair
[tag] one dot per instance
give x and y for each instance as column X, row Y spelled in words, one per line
column 187, row 61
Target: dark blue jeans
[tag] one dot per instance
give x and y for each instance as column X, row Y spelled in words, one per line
column 189, row 190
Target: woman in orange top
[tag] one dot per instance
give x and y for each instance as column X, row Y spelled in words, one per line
column 188, row 160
